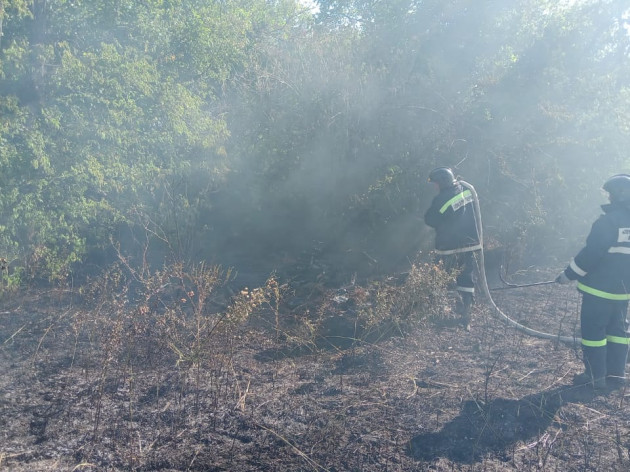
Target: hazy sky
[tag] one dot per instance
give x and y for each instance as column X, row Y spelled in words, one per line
column 310, row 4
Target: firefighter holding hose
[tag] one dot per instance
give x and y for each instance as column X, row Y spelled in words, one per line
column 602, row 270
column 451, row 214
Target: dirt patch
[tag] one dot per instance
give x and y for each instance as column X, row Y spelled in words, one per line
column 439, row 398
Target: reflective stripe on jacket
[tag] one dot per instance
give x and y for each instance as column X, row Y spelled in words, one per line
column 602, row 267
column 452, row 215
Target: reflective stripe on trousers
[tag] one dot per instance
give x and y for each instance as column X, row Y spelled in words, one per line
column 604, row 338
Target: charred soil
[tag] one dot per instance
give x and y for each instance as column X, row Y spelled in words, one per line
column 437, row 398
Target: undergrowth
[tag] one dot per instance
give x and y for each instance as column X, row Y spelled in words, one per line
column 167, row 340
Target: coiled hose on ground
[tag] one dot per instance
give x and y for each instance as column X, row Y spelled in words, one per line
column 484, row 283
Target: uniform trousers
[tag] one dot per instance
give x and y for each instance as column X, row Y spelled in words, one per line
column 604, row 336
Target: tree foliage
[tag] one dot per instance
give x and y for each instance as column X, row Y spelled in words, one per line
column 110, row 103
column 247, row 130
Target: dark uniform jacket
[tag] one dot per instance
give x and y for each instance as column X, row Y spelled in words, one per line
column 452, row 215
column 602, row 267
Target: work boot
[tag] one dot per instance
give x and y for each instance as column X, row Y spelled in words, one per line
column 464, row 309
column 586, row 378
column 594, row 359
column 615, row 383
column 616, row 355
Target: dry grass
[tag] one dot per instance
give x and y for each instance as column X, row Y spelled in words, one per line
column 145, row 378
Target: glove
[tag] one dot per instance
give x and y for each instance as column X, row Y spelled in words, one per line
column 562, row 278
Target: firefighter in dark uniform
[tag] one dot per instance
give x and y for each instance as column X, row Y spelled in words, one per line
column 456, row 237
column 602, row 270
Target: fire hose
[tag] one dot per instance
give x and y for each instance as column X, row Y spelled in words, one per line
column 509, row 286
column 484, row 283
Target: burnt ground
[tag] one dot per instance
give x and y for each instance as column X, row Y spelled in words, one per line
column 438, row 398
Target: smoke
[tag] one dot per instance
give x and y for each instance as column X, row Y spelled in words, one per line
column 284, row 136
column 334, row 145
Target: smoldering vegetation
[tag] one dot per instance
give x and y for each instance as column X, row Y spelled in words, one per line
column 211, row 237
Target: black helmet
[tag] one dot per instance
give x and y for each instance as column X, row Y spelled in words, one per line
column 443, row 176
column 618, row 187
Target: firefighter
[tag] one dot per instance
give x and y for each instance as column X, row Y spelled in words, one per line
column 452, row 216
column 602, row 270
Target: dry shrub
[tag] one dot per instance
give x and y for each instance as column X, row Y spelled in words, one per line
column 177, row 307
column 172, row 322
column 365, row 314
column 421, row 294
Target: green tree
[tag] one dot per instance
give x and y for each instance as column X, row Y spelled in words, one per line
column 348, row 119
column 110, row 106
